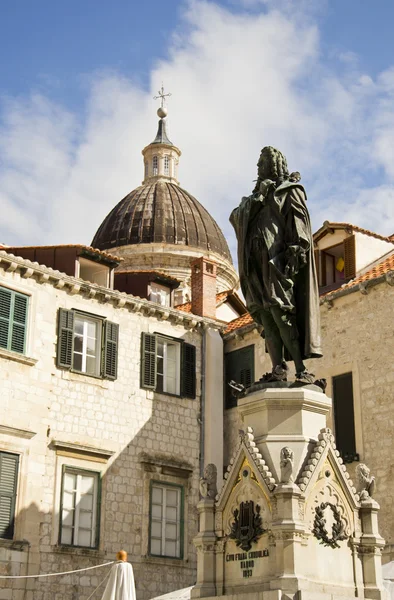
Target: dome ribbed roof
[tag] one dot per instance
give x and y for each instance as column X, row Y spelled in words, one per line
column 161, row 212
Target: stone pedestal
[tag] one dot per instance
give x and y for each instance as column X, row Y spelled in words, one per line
column 285, row 417
column 287, row 523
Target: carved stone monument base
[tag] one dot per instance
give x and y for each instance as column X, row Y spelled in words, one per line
column 288, row 523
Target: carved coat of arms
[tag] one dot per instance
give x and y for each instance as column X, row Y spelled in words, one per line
column 247, row 526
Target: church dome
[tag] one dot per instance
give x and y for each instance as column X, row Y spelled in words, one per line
column 161, row 212
column 160, row 227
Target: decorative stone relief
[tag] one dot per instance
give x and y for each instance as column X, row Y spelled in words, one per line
column 218, row 520
column 252, row 451
column 325, row 439
column 286, row 465
column 247, row 526
column 246, row 490
column 328, row 516
column 366, row 482
column 321, row 525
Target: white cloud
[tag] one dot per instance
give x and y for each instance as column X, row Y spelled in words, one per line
column 238, row 82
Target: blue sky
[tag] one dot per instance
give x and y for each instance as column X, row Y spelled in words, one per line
column 313, row 77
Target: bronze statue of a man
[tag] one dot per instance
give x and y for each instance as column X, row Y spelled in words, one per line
column 276, row 266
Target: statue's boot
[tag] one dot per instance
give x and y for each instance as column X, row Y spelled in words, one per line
column 279, row 373
column 305, row 377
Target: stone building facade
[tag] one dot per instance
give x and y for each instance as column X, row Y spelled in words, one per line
column 129, row 445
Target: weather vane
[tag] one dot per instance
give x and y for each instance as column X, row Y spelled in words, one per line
column 161, row 95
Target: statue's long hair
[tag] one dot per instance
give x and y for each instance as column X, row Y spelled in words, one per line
column 277, row 165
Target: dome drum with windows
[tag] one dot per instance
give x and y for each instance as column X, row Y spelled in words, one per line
column 160, row 226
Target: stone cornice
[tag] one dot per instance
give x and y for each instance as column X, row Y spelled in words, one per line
column 16, row 432
column 59, row 446
column 42, row 274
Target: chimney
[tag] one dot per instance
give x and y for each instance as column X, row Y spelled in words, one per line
column 203, row 287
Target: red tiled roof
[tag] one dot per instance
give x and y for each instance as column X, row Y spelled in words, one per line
column 329, row 225
column 241, row 321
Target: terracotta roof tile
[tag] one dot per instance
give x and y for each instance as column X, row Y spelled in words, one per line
column 186, row 307
column 331, row 225
column 241, row 321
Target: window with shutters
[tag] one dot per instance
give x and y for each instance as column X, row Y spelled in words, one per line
column 168, row 365
column 166, row 520
column 87, row 344
column 8, row 488
column 79, row 508
column 345, row 436
column 13, row 320
column 239, row 367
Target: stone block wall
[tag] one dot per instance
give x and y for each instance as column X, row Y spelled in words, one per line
column 53, row 417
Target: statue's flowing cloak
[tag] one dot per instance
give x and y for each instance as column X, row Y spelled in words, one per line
column 270, row 227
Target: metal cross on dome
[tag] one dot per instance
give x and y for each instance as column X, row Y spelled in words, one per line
column 161, row 95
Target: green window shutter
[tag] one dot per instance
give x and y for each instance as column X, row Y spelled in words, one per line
column 110, row 359
column 5, row 313
column 148, row 361
column 13, row 320
column 65, row 338
column 189, row 371
column 239, row 367
column 8, row 483
column 19, row 323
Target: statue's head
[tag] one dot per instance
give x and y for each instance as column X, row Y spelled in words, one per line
column 272, row 165
column 286, row 452
column 362, row 472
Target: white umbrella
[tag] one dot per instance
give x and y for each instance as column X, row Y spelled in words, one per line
column 120, row 584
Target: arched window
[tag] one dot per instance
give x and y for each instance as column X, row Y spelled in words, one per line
column 146, row 169
column 166, row 165
column 155, row 166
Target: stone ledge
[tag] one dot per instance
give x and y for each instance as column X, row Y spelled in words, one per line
column 22, row 358
column 168, row 562
column 16, row 432
column 169, row 466
column 78, row 551
column 81, row 451
column 18, row 545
